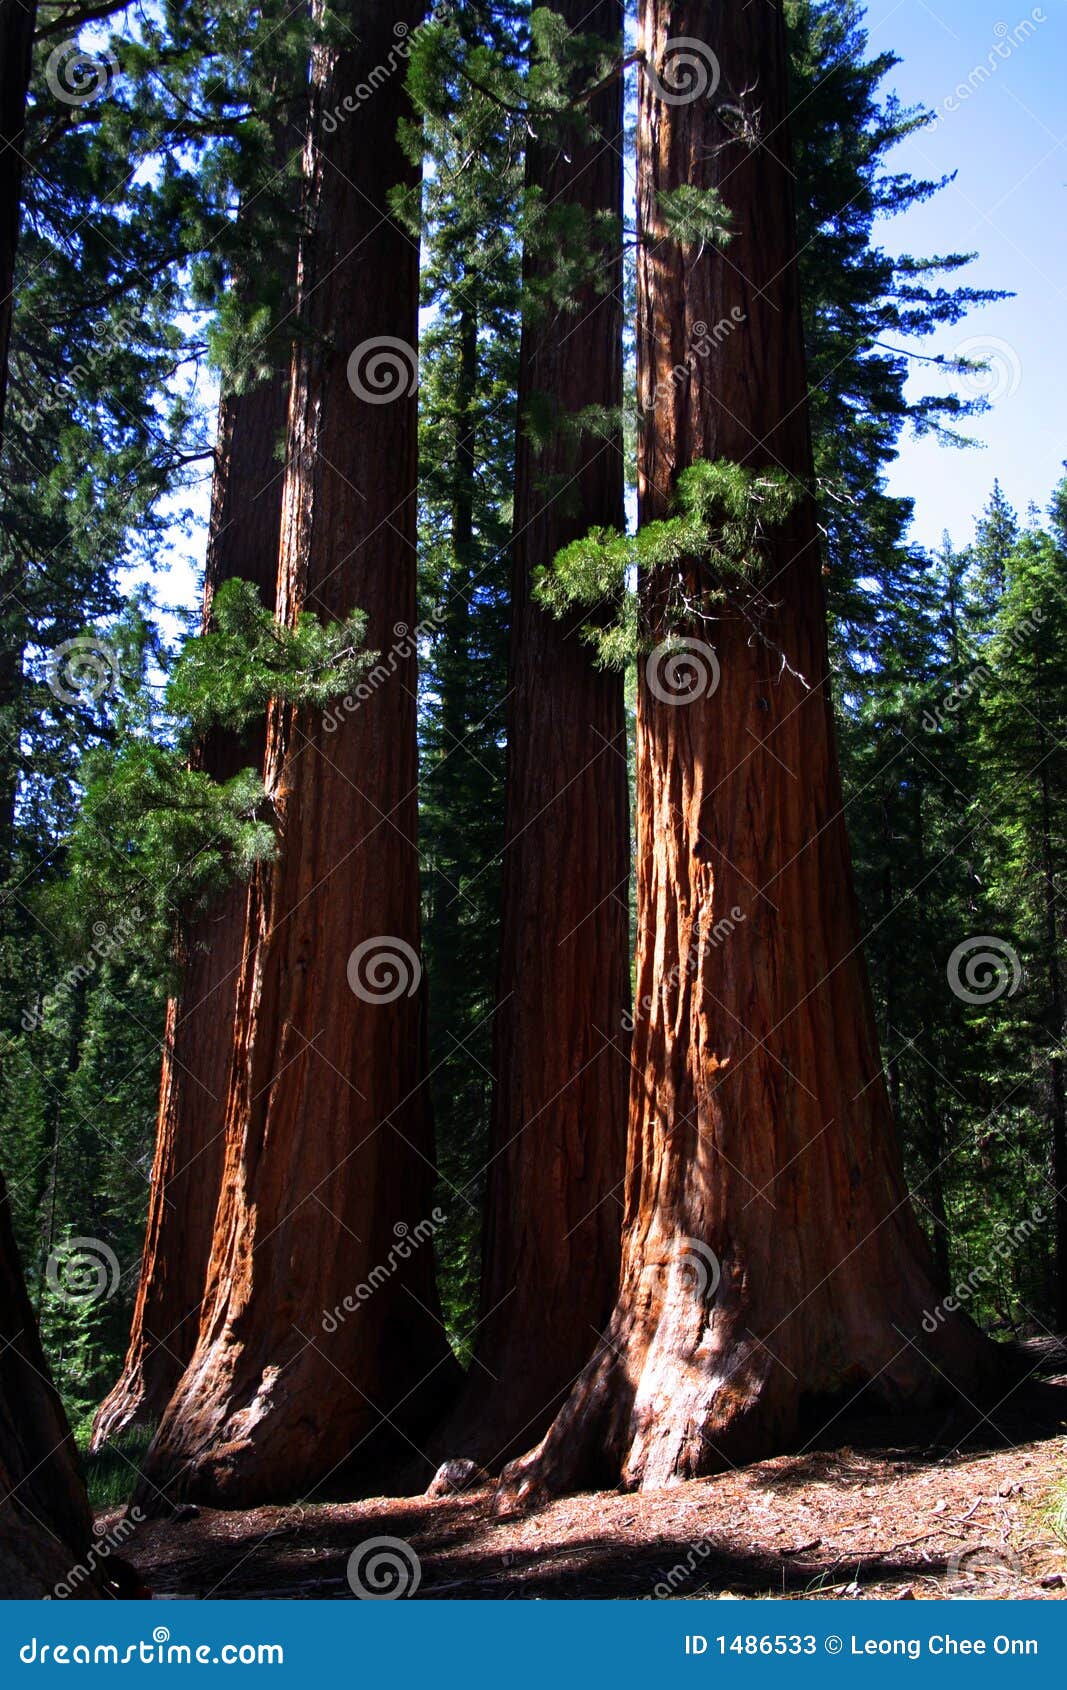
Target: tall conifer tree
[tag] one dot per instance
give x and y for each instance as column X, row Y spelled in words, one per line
column 770, row 1258
column 328, row 1164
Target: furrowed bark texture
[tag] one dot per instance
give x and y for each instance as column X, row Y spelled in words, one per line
column 561, row 1055
column 327, row 1182
column 771, row 1261
column 246, row 507
column 45, row 1523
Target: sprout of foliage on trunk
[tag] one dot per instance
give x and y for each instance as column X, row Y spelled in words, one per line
column 723, row 517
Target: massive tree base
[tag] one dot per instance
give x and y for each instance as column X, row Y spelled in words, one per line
column 45, row 1522
column 186, row 1176
column 499, row 1414
column 688, row 1387
column 35, row 1566
column 245, row 1432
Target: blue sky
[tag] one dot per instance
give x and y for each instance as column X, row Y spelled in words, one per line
column 1004, row 131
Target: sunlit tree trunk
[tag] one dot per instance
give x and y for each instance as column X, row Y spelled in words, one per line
column 328, row 1176
column 773, row 1270
column 198, row 1040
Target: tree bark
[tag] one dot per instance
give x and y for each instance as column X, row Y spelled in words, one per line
column 327, row 1183
column 245, row 523
column 45, row 1522
column 557, row 1144
column 772, row 1267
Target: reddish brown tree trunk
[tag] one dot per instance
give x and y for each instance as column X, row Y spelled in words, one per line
column 557, row 1143
column 246, row 507
column 45, row 1523
column 771, row 1261
column 328, row 1178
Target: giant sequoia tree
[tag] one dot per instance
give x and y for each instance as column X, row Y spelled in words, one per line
column 45, row 1523
column 328, row 1146
column 560, row 1068
column 771, row 1261
column 198, row 1041
column 245, row 523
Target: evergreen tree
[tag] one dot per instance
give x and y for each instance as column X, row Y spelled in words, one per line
column 862, row 306
column 756, row 1081
column 329, row 1153
column 468, row 362
column 1023, row 769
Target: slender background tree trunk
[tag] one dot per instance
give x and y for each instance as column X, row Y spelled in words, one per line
column 328, row 1176
column 557, row 1145
column 772, row 1266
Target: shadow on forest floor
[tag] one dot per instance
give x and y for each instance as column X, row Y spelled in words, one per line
column 897, row 1507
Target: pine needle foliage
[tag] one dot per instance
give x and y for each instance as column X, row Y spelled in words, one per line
column 724, row 515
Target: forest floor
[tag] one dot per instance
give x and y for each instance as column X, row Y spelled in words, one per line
column 902, row 1510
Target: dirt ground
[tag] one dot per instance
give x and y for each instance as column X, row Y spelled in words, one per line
column 898, row 1512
